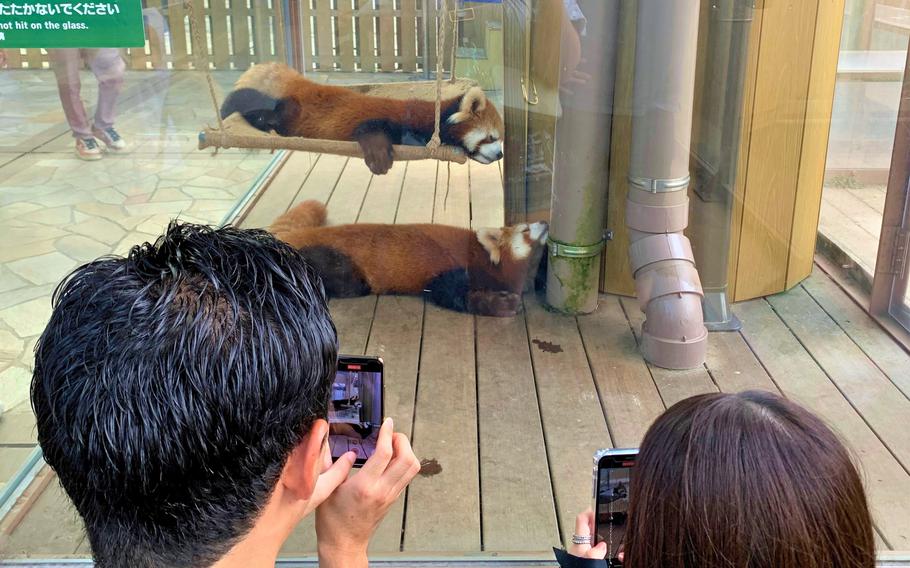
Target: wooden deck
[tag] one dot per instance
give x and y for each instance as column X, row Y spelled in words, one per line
column 511, row 410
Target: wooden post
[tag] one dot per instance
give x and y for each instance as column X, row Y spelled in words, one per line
column 408, row 35
column 240, row 33
column 346, row 36
column 178, row 24
column 386, row 37
column 218, row 15
column 365, row 20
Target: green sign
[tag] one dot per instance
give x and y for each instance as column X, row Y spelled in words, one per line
column 71, row 23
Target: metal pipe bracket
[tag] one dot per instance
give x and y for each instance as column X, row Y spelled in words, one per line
column 568, row 250
column 660, row 185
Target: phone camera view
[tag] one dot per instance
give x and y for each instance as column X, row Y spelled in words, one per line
column 612, row 509
column 355, row 414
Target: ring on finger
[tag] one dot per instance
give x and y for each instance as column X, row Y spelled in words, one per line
column 581, row 539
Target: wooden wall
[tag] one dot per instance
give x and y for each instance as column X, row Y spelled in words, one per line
column 787, row 104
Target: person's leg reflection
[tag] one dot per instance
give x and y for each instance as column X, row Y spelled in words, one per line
column 66, row 64
column 108, row 67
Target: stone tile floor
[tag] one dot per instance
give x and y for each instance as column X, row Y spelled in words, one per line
column 57, row 212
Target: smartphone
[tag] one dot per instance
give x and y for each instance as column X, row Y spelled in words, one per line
column 356, row 409
column 613, row 471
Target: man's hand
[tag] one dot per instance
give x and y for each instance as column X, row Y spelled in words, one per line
column 346, row 521
column 2, row 59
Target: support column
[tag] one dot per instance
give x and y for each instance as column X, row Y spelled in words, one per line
column 582, row 156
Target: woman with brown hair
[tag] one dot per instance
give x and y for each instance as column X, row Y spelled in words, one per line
column 740, row 481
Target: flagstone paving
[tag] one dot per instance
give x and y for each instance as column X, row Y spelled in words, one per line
column 57, row 212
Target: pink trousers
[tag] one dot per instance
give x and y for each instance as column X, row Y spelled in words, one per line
column 108, row 67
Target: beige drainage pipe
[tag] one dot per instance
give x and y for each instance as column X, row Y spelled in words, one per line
column 657, row 210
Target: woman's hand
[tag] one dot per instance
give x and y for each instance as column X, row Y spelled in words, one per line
column 2, row 59
column 346, row 521
column 584, row 526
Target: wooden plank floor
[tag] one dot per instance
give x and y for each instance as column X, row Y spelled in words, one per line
column 508, row 412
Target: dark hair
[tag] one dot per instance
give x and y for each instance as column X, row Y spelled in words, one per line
column 171, row 386
column 746, row 480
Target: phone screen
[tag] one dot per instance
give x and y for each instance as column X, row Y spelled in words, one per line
column 614, row 476
column 355, row 411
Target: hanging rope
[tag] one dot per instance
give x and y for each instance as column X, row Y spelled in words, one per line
column 435, row 140
column 454, row 16
column 202, row 61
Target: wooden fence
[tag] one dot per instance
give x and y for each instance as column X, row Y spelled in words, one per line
column 364, row 35
column 335, row 35
column 238, row 32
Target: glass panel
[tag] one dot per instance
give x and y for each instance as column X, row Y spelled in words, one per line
column 589, row 151
column 870, row 73
column 98, row 153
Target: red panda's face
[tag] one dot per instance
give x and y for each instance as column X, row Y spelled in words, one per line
column 515, row 251
column 478, row 126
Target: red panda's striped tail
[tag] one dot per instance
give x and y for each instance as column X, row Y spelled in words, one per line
column 307, row 214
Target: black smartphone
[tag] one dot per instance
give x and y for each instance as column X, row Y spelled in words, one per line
column 613, row 471
column 356, row 409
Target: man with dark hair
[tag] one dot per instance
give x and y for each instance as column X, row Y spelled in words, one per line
column 181, row 396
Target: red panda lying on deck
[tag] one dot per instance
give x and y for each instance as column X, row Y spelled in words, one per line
column 482, row 272
column 272, row 96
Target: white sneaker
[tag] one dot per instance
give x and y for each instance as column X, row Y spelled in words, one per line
column 88, row 149
column 112, row 139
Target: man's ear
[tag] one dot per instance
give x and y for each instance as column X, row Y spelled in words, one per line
column 306, row 462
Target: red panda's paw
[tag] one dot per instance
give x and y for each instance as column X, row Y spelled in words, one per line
column 497, row 303
column 377, row 152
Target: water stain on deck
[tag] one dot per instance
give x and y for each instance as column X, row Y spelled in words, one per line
column 546, row 346
column 430, row 467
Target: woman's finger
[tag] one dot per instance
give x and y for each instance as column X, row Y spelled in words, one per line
column 583, row 525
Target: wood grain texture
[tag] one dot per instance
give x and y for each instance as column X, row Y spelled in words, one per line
column 750, row 81
column 573, row 421
column 800, row 378
column 443, row 509
column 384, row 195
column 629, row 396
column 516, row 490
column 487, row 199
column 862, row 329
column 453, row 195
column 386, row 38
column 418, row 194
column 817, row 125
column 396, row 337
column 778, row 119
column 322, row 179
column 277, row 196
column 347, row 199
column 617, row 278
column 884, row 407
column 734, row 367
column 325, row 54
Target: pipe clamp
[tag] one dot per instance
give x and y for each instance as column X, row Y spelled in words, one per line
column 660, row 185
column 567, row 250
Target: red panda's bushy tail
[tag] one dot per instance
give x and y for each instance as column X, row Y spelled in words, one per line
column 307, row 214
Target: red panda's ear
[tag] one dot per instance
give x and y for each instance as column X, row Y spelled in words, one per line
column 472, row 102
column 489, row 239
